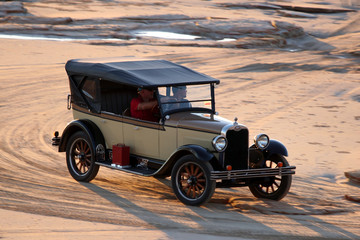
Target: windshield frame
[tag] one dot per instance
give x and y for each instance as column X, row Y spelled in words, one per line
column 192, row 109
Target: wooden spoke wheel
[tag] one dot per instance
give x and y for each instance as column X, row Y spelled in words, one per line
column 191, row 180
column 80, row 158
column 272, row 187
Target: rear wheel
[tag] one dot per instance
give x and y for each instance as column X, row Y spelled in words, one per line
column 276, row 187
column 190, row 179
column 80, row 158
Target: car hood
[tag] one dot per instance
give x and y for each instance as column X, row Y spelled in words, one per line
column 198, row 121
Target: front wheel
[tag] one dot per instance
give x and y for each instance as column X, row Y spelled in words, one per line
column 276, row 187
column 190, row 179
column 80, row 158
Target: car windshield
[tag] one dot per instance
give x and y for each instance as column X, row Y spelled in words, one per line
column 185, row 97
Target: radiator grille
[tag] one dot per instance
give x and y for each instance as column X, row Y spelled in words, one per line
column 236, row 153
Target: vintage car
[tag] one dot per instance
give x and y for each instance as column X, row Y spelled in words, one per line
column 188, row 141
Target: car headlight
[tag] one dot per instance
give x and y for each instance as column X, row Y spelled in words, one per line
column 261, row 141
column 219, row 143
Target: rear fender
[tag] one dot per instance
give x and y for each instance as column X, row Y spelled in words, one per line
column 90, row 129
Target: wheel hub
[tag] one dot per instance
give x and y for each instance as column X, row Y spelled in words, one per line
column 268, row 181
column 81, row 157
column 192, row 181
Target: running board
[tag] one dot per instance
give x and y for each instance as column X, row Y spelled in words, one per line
column 130, row 169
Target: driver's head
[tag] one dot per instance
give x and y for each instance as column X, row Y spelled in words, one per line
column 145, row 93
column 179, row 91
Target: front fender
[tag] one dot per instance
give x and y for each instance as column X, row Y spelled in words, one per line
column 276, row 147
column 196, row 150
column 90, row 128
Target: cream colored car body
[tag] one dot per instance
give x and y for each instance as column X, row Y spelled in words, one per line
column 157, row 140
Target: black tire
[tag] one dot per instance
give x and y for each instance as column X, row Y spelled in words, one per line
column 274, row 188
column 190, row 179
column 80, row 158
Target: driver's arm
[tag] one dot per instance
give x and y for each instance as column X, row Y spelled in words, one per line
column 147, row 105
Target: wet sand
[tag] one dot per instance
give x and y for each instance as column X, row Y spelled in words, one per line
column 294, row 78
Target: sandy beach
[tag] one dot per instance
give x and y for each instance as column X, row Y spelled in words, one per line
column 290, row 69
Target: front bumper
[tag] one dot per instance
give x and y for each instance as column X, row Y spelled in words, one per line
column 252, row 173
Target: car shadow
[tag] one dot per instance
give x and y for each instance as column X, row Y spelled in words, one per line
column 144, row 218
column 196, row 220
column 319, row 225
column 229, row 213
column 304, row 213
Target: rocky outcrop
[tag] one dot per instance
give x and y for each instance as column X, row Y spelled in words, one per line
column 11, row 7
column 353, row 176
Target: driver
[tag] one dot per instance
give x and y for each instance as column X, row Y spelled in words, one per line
column 142, row 106
column 178, row 100
column 180, row 96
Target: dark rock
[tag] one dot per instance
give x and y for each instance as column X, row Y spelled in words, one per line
column 352, row 198
column 249, row 5
column 160, row 18
column 37, row 20
column 287, row 13
column 12, row 7
column 353, row 176
column 311, row 8
column 288, row 30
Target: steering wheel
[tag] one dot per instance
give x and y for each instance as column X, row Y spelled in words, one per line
column 155, row 110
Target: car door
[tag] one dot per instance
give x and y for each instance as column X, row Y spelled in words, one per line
column 142, row 137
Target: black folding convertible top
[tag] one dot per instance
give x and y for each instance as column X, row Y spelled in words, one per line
column 144, row 73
